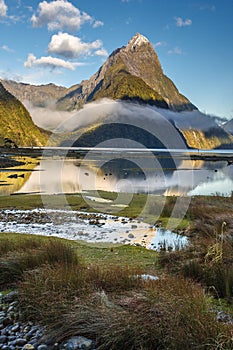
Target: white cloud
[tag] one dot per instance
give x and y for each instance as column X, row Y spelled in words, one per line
column 131, row 1
column 98, row 24
column 211, row 8
column 183, row 23
column 3, row 8
column 49, row 62
column 58, row 15
column 129, row 20
column 175, row 51
column 6, row 48
column 69, row 46
column 101, row 52
column 9, row 75
column 160, row 43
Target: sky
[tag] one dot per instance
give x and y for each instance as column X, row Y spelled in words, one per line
column 66, row 41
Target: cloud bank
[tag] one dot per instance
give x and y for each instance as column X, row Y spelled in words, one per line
column 49, row 62
column 69, row 46
column 59, row 14
column 3, row 8
column 175, row 51
column 107, row 110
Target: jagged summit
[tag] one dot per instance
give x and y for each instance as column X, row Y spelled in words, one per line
column 132, row 72
column 137, row 40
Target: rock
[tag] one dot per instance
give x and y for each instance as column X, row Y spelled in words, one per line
column 7, row 321
column 11, row 338
column 15, row 328
column 20, row 342
column 133, row 226
column 69, row 346
column 223, row 317
column 77, row 343
column 15, row 335
column 130, row 235
column 42, row 347
column 6, row 347
column 10, row 297
column 3, row 339
column 30, row 333
column 28, row 347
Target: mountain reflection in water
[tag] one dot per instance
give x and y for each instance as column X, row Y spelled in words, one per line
column 139, row 173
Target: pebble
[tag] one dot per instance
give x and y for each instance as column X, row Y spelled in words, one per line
column 16, row 335
column 223, row 317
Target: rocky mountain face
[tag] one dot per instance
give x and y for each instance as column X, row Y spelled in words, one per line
column 228, row 126
column 16, row 123
column 38, row 95
column 132, row 72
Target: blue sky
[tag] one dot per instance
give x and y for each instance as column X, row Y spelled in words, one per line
column 64, row 42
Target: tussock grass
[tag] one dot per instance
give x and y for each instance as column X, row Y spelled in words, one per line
column 170, row 313
column 209, row 257
column 9, row 243
column 95, row 293
column 51, row 290
column 23, row 255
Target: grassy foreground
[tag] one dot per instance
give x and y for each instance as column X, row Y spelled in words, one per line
column 98, row 291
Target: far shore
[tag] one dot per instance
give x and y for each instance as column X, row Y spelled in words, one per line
column 79, row 152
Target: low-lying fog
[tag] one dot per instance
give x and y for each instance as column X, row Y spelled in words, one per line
column 115, row 111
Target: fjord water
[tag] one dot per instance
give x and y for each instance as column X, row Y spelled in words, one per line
column 118, row 170
column 123, row 171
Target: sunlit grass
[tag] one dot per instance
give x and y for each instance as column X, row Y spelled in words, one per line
column 77, row 288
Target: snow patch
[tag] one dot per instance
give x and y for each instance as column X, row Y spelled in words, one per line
column 138, row 40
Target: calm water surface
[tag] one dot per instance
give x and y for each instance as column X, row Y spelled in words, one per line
column 121, row 171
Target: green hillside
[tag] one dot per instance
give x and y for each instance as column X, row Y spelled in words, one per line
column 16, row 123
column 215, row 138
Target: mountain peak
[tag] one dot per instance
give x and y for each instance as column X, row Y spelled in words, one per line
column 132, row 72
column 137, row 40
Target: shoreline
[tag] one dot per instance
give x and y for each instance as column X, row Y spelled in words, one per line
column 192, row 154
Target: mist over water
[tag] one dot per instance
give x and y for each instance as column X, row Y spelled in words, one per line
column 115, row 111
